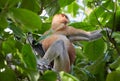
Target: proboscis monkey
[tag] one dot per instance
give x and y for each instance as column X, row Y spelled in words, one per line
column 58, row 46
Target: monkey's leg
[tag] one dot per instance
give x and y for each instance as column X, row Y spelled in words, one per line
column 57, row 52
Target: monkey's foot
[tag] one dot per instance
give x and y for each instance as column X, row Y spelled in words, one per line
column 43, row 65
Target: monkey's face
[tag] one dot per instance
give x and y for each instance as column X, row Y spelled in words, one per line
column 60, row 18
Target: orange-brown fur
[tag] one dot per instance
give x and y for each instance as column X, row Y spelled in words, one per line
column 46, row 43
column 61, row 31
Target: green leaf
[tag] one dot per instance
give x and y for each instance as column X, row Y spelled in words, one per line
column 16, row 30
column 19, row 45
column 67, row 77
column 28, row 57
column 6, row 74
column 98, row 64
column 52, row 9
column 29, row 61
column 27, row 19
column 113, row 22
column 115, row 64
column 49, row 76
column 83, row 25
column 8, row 3
column 105, row 18
column 8, row 46
column 73, row 8
column 3, row 21
column 97, row 16
column 117, row 19
column 27, row 5
column 79, row 53
column 113, row 76
column 80, row 73
column 33, row 75
column 116, row 36
column 45, row 27
column 95, row 49
column 63, row 3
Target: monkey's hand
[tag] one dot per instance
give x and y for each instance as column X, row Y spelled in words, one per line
column 98, row 33
column 100, row 30
column 107, row 30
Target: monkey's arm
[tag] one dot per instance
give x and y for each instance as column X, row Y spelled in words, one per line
column 81, row 35
column 74, row 34
column 90, row 37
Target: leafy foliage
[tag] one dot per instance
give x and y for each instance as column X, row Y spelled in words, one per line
column 98, row 60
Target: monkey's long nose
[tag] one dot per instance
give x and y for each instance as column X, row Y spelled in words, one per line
column 65, row 20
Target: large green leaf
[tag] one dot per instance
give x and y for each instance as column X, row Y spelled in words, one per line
column 115, row 64
column 96, row 65
column 116, row 36
column 80, row 73
column 79, row 53
column 97, row 16
column 113, row 76
column 8, row 3
column 67, row 77
column 49, row 76
column 117, row 19
column 16, row 30
column 65, row 2
column 73, row 8
column 3, row 21
column 45, row 27
column 8, row 46
column 33, row 75
column 32, row 5
column 95, row 49
column 6, row 74
column 53, row 8
column 25, row 18
column 29, row 58
column 97, row 69
column 83, row 25
column 29, row 61
column 114, row 20
column 105, row 17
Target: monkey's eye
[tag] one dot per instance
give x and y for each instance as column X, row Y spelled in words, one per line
column 63, row 15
